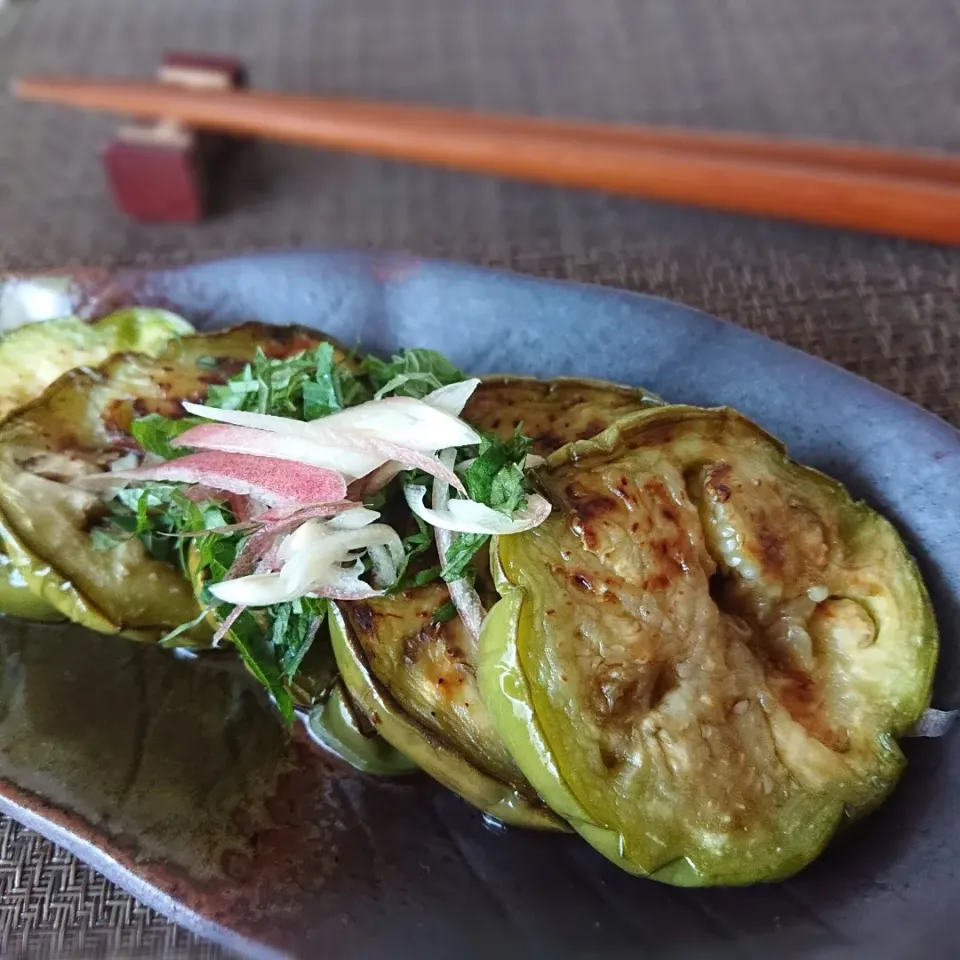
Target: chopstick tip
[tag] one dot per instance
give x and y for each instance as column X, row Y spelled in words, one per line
column 21, row 88
column 32, row 88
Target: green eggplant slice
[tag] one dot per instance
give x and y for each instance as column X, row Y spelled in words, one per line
column 427, row 669
column 336, row 723
column 552, row 412
column 79, row 426
column 706, row 654
column 429, row 752
column 33, row 356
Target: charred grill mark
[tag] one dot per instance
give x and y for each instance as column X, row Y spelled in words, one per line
column 593, row 508
column 722, row 492
column 591, row 429
column 658, row 581
column 717, row 482
column 361, row 617
column 286, row 341
column 453, row 651
column 165, row 406
column 226, row 367
column 116, row 419
column 581, row 581
column 588, row 509
column 119, row 414
column 798, row 693
column 773, row 553
column 433, row 656
column 414, row 644
column 657, row 491
column 547, row 442
column 669, row 551
column 621, row 490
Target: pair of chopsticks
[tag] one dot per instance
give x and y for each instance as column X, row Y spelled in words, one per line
column 911, row 195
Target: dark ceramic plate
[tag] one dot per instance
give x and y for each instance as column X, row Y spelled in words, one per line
column 173, row 780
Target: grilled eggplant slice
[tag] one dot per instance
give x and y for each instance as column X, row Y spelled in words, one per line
column 552, row 412
column 419, row 675
column 33, row 356
column 338, row 725
column 79, row 426
column 705, row 656
column 430, row 752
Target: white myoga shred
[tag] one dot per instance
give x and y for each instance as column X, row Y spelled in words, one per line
column 401, row 420
column 469, row 516
column 317, row 560
column 453, row 397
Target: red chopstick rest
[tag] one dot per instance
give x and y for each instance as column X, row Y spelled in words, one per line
column 161, row 172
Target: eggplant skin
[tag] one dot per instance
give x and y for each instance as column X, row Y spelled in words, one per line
column 427, row 670
column 18, row 600
column 78, row 426
column 704, row 657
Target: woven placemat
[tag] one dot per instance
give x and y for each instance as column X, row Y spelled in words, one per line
column 883, row 71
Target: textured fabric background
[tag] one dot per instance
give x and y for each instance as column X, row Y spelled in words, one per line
column 885, row 71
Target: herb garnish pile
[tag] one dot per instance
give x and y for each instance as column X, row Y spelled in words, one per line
column 273, row 641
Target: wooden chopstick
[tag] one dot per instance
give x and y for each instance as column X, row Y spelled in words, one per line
column 910, row 195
